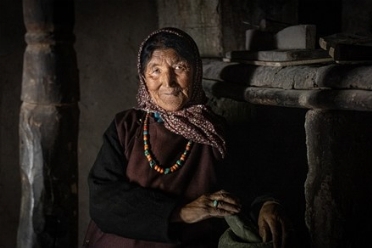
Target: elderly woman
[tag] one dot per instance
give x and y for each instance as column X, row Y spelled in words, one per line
column 154, row 182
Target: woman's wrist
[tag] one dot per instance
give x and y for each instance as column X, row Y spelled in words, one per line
column 270, row 202
column 175, row 216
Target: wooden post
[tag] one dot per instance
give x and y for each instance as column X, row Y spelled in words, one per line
column 338, row 189
column 49, row 127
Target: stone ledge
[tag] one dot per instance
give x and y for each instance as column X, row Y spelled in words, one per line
column 354, row 99
column 333, row 86
column 304, row 77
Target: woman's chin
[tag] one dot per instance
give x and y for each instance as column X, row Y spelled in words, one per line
column 171, row 103
column 172, row 108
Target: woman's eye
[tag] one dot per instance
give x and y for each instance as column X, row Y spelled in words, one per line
column 155, row 71
column 180, row 67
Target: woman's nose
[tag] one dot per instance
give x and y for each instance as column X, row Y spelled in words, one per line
column 169, row 79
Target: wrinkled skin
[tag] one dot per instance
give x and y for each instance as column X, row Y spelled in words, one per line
column 202, row 208
column 168, row 79
column 273, row 224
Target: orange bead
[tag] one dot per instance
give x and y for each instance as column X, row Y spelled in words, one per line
column 147, row 151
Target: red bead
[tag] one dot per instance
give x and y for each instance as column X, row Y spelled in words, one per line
column 146, row 148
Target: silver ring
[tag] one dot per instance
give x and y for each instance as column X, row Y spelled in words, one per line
column 215, row 203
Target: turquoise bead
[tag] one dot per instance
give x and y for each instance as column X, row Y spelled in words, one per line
column 147, row 150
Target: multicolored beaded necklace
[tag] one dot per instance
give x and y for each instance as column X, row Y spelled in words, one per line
column 146, row 147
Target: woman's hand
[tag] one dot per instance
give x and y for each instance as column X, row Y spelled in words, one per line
column 218, row 204
column 273, row 224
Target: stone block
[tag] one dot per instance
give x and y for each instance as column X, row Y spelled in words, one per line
column 292, row 37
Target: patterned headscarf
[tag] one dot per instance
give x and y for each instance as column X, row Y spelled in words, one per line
column 195, row 121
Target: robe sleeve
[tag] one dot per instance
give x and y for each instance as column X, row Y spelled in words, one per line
column 123, row 208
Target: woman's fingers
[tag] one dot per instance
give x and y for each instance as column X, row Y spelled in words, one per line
column 225, row 196
column 223, row 200
column 265, row 233
column 218, row 204
column 273, row 224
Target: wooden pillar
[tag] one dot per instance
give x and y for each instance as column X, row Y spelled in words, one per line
column 49, row 127
column 338, row 188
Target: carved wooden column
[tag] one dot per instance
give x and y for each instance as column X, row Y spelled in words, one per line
column 49, row 127
column 338, row 187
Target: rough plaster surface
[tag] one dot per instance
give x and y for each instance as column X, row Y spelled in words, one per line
column 198, row 18
column 108, row 35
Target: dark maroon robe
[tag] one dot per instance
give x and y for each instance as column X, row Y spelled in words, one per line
column 132, row 203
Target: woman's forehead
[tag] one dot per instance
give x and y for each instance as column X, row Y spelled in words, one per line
column 167, row 54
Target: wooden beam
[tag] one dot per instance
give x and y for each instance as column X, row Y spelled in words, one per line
column 48, row 127
column 338, row 188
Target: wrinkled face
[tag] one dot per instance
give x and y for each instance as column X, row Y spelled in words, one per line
column 168, row 79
